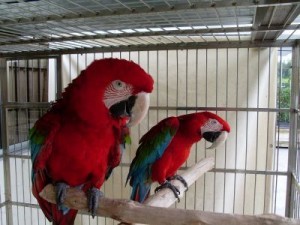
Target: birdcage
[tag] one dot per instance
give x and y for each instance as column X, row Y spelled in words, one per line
column 239, row 59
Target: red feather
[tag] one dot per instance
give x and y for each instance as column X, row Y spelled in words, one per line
column 81, row 136
column 166, row 146
column 179, row 149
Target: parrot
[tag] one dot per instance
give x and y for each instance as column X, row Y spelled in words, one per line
column 80, row 139
column 166, row 146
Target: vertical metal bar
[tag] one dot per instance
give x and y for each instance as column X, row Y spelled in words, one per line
column 268, row 128
column 177, row 88
column 196, row 153
column 27, row 81
column 277, row 136
column 17, row 93
column 39, row 91
column 294, row 117
column 59, row 79
column 177, row 80
column 70, row 68
column 215, row 154
column 167, row 88
column 28, row 166
column 206, row 95
column 4, row 136
column 122, row 167
column 148, row 69
column 16, row 177
column 257, row 126
column 226, row 105
column 186, row 77
column 236, row 133
column 247, row 121
column 41, row 88
column 16, row 134
column 77, row 66
column 186, row 99
column 16, row 65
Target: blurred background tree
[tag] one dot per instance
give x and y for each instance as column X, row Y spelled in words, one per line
column 284, row 89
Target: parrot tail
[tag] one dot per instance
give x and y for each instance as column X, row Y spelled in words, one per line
column 140, row 192
column 50, row 210
column 60, row 219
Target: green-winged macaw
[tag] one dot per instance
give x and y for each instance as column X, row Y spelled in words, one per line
column 80, row 139
column 166, row 146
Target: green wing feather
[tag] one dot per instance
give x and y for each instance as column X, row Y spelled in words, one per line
column 152, row 146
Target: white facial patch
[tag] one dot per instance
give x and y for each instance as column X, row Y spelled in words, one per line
column 115, row 92
column 212, row 125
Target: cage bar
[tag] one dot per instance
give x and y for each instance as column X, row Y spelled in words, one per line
column 225, row 57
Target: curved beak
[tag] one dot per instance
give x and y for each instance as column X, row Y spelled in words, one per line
column 216, row 138
column 139, row 108
column 134, row 108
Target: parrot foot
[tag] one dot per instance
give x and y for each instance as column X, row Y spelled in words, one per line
column 167, row 184
column 61, row 190
column 94, row 194
column 180, row 178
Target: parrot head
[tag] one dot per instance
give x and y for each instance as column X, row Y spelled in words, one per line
column 209, row 126
column 215, row 130
column 111, row 87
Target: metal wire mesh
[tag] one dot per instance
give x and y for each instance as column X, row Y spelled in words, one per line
column 241, row 85
column 53, row 25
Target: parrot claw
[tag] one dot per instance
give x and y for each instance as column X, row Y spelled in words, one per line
column 181, row 179
column 61, row 190
column 167, row 184
column 94, row 194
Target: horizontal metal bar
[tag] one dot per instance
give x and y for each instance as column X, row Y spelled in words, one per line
column 35, row 206
column 256, row 172
column 3, row 204
column 156, row 33
column 219, row 170
column 26, row 105
column 23, row 68
column 149, row 47
column 216, row 170
column 18, row 156
column 146, row 10
column 23, row 204
column 229, row 109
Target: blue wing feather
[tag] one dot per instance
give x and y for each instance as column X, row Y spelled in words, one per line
column 36, row 141
column 152, row 146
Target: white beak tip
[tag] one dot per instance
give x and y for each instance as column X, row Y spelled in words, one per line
column 220, row 140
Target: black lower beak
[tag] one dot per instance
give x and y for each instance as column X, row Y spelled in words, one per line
column 211, row 136
column 123, row 108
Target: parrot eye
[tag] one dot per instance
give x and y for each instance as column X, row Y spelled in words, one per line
column 118, row 85
column 213, row 122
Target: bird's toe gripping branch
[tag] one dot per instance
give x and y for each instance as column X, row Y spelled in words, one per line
column 61, row 191
column 167, row 184
column 94, row 194
column 180, row 178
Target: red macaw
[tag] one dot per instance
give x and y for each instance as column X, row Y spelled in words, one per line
column 80, row 139
column 166, row 146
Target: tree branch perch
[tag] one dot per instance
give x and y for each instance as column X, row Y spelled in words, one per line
column 132, row 212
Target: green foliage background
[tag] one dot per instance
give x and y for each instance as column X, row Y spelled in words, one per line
column 284, row 89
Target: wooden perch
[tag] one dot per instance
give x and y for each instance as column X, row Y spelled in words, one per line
column 132, row 212
column 165, row 197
